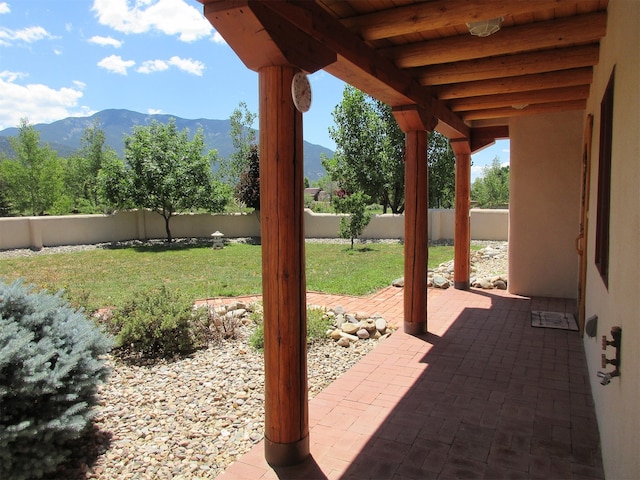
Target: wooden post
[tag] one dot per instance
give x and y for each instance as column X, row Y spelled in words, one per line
column 462, row 234
column 416, row 233
column 415, row 122
column 283, row 270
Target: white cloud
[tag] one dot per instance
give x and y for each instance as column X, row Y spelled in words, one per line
column 105, row 41
column 150, row 66
column 154, row 111
column 4, row 7
column 12, row 76
column 115, row 64
column 26, row 35
column 217, row 38
column 171, row 17
column 188, row 65
column 79, row 84
column 195, row 67
column 39, row 103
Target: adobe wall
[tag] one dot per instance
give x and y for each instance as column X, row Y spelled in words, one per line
column 617, row 305
column 544, row 203
column 38, row 232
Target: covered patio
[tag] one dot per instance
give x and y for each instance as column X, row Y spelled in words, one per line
column 482, row 395
column 545, row 79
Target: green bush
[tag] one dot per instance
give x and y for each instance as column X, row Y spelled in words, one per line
column 160, row 323
column 317, row 325
column 50, row 365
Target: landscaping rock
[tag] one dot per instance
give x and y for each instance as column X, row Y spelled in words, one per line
column 350, row 328
column 363, row 334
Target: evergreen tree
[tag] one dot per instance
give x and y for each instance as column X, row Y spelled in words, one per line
column 50, row 365
column 248, row 188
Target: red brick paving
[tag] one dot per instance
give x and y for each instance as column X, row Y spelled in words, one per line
column 482, row 395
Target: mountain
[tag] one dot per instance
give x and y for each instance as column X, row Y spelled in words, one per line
column 64, row 135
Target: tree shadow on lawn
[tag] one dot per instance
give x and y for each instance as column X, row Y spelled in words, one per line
column 158, row 245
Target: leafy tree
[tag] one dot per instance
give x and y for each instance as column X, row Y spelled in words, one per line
column 369, row 146
column 34, row 179
column 492, row 189
column 243, row 137
column 442, row 171
column 355, row 205
column 5, row 204
column 248, row 188
column 165, row 172
column 82, row 169
column 370, row 152
column 115, row 184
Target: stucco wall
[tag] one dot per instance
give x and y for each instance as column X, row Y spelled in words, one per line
column 38, row 232
column 544, row 204
column 617, row 404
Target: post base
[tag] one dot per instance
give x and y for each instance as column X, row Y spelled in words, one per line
column 415, row 328
column 286, row 454
column 462, row 285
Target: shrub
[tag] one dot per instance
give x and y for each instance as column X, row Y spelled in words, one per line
column 160, row 323
column 317, row 325
column 50, row 365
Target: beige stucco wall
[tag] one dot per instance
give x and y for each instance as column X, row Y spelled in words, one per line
column 617, row 404
column 544, row 203
column 38, row 232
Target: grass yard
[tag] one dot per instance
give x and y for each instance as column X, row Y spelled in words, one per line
column 102, row 277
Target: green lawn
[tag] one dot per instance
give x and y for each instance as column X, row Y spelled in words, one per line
column 104, row 277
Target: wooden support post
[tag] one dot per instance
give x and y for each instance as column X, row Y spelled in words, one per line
column 462, row 234
column 416, row 233
column 283, row 270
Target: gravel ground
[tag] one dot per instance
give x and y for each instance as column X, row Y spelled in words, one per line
column 190, row 418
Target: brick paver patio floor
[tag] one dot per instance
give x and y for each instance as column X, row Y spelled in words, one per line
column 482, row 395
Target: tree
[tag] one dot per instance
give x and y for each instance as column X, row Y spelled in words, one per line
column 34, row 179
column 82, row 169
column 243, row 137
column 165, row 172
column 442, row 171
column 370, row 154
column 355, row 205
column 369, row 149
column 248, row 188
column 5, row 204
column 492, row 190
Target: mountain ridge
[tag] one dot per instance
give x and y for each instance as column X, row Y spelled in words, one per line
column 64, row 135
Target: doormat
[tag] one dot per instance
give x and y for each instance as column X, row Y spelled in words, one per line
column 559, row 320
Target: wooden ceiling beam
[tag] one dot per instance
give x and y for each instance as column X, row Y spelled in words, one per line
column 510, row 65
column 484, row 136
column 530, row 110
column 361, row 65
column 524, row 83
column 415, row 18
column 541, row 35
column 580, row 92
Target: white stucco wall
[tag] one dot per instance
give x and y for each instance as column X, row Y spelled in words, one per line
column 617, row 404
column 545, row 169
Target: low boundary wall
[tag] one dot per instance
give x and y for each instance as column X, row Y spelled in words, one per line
column 38, row 232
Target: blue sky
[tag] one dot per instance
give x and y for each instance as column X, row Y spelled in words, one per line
column 76, row 57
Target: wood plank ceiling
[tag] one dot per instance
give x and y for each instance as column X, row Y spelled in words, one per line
column 421, row 52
